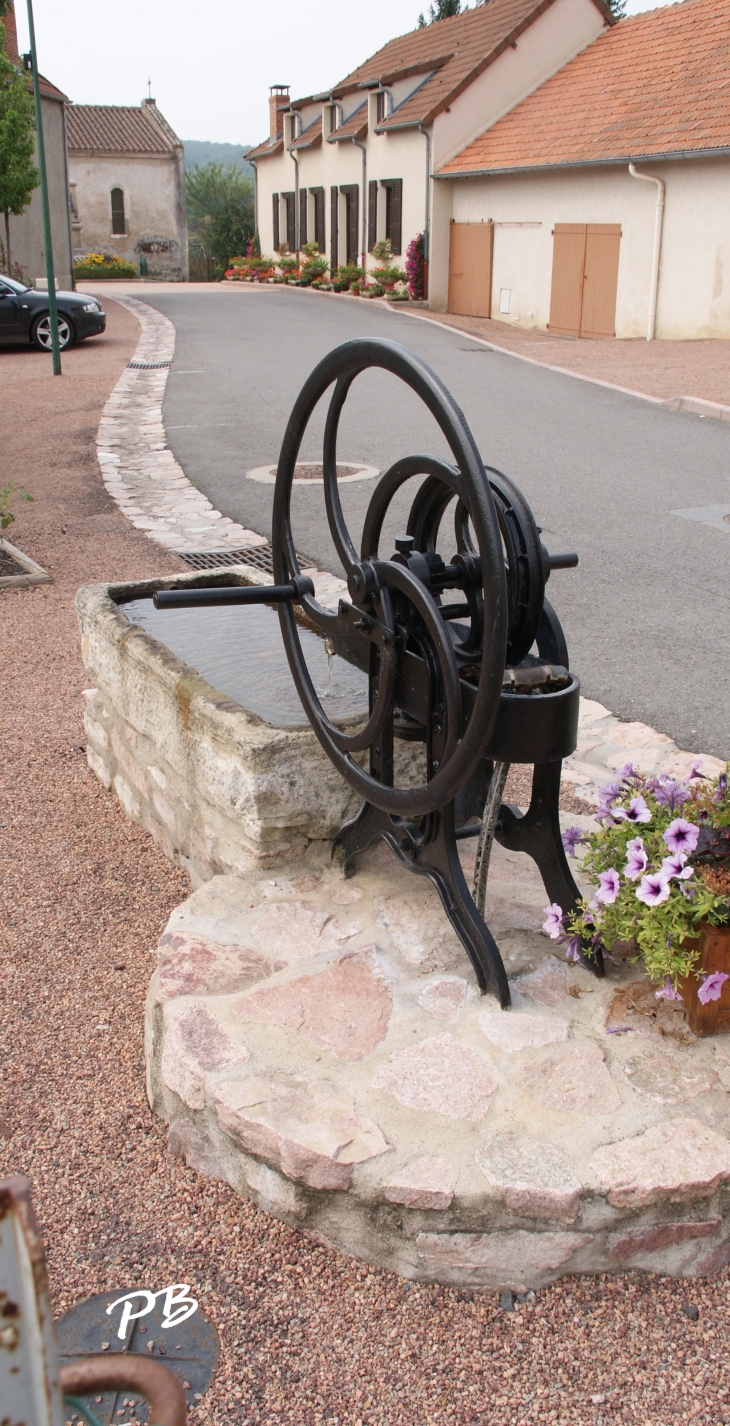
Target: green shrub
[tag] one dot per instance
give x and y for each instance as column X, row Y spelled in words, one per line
column 101, row 265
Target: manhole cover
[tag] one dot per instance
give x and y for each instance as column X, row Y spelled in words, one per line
column 166, row 1325
column 311, row 471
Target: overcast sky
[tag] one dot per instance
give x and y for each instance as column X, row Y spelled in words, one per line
column 210, row 63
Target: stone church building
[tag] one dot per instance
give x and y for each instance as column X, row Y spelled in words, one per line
column 127, row 183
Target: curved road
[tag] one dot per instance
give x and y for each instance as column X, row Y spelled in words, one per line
column 647, row 611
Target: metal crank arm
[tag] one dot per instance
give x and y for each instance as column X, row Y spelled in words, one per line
column 234, row 594
column 537, row 832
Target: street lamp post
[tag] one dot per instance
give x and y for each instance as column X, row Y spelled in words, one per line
column 47, row 243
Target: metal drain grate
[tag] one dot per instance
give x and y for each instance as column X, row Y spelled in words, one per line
column 260, row 556
column 147, row 365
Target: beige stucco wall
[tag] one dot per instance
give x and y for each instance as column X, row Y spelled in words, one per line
column 564, row 29
column 694, row 277
column 154, row 206
column 26, row 231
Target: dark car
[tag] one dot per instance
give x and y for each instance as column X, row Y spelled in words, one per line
column 24, row 315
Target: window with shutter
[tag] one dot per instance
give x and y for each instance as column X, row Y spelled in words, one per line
column 334, row 234
column 302, row 217
column 380, row 106
column 352, row 207
column 275, row 205
column 119, row 224
column 394, row 212
column 291, row 220
column 372, row 215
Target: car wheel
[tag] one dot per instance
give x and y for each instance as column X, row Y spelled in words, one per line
column 41, row 332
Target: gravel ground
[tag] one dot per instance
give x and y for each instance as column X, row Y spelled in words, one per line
column 308, row 1337
column 658, row 368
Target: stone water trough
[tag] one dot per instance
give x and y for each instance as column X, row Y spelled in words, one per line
column 321, row 1045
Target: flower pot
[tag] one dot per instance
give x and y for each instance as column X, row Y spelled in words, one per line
column 713, row 1018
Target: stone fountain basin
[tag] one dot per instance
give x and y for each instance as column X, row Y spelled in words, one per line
column 212, row 782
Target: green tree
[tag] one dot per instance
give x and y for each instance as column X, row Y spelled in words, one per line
column 220, row 209
column 440, row 11
column 18, row 174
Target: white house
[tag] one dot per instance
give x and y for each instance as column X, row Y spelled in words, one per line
column 353, row 165
column 127, row 177
column 545, row 220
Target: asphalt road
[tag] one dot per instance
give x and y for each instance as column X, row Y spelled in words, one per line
column 646, row 613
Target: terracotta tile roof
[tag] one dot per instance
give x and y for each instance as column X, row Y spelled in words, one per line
column 48, row 90
column 655, row 84
column 457, row 49
column 102, row 128
column 267, row 148
column 309, row 137
column 354, row 126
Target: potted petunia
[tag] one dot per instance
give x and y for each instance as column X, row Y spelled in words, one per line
column 660, row 865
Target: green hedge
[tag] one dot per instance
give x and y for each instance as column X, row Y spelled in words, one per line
column 98, row 271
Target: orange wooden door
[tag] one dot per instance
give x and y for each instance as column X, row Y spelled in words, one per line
column 470, row 269
column 598, row 318
column 584, row 279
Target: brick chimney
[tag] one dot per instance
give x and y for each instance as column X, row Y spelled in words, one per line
column 278, row 99
column 11, row 35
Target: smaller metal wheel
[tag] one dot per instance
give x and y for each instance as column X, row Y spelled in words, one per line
column 41, row 334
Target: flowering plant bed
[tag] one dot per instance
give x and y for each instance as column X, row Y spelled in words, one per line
column 416, row 269
column 102, row 265
column 661, row 868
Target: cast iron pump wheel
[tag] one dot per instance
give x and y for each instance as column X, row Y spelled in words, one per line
column 457, row 675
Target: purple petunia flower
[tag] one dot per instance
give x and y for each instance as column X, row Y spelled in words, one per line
column 681, row 836
column 669, row 792
column 711, row 988
column 573, row 951
column 654, row 889
column 553, row 923
column 610, row 885
column 570, row 839
column 721, row 788
column 668, row 992
column 674, row 866
column 637, row 811
column 696, row 771
column 636, row 859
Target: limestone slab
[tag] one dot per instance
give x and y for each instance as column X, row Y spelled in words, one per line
column 533, row 1177
column 303, row 1127
column 572, row 1081
column 192, row 965
column 509, row 1260
column 196, row 1044
column 426, row 1183
column 439, row 1076
column 518, row 1031
column 345, row 1009
column 676, row 1160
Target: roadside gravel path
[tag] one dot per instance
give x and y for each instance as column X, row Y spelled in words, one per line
column 309, row 1338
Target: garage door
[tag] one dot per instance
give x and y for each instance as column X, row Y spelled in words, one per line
column 470, row 269
column 584, row 281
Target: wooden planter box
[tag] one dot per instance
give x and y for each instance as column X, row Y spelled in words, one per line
column 714, row 1017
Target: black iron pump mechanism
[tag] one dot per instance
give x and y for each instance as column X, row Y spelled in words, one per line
column 481, row 679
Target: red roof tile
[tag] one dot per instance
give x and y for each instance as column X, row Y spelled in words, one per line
column 653, row 85
column 102, row 128
column 309, row 137
column 267, row 148
column 354, row 126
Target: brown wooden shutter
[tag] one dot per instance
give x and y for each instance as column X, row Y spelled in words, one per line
column 470, row 269
column 291, row 225
column 275, row 203
column 584, row 279
column 372, row 214
column 352, row 208
column 396, row 215
column 318, row 194
column 302, row 217
column 334, row 201
column 598, row 318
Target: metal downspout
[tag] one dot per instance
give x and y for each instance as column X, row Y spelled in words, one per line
column 364, row 223
column 426, row 232
column 296, row 203
column 658, row 226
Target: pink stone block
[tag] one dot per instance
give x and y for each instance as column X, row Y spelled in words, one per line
column 663, row 1235
column 192, row 965
column 196, row 1044
column 669, row 1079
column 302, row 1127
column 572, row 1081
column 345, row 1009
column 533, row 1178
column 439, row 1076
column 517, row 1260
column 514, row 1030
column 677, row 1160
column 548, row 985
column 445, row 997
column 423, row 1183
column 295, row 931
